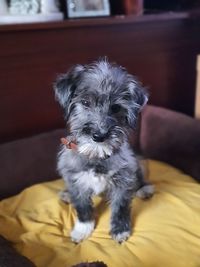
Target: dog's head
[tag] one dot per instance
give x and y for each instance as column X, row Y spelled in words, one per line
column 101, row 102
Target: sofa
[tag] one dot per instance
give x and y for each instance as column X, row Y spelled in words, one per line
column 37, row 223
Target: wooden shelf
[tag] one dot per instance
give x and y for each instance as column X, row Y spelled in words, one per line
column 90, row 22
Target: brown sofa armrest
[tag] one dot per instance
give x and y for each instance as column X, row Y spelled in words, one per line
column 165, row 135
column 171, row 137
column 28, row 161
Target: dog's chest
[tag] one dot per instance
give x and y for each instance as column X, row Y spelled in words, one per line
column 90, row 180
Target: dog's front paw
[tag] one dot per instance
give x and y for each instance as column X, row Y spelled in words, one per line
column 146, row 191
column 64, row 196
column 121, row 237
column 81, row 231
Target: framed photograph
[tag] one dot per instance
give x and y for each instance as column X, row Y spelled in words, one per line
column 87, row 8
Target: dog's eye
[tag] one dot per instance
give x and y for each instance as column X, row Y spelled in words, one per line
column 85, row 103
column 115, row 108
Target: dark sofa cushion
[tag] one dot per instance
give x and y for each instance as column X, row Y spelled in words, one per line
column 28, row 161
column 171, row 137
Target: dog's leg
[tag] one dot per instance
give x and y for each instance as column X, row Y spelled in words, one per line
column 146, row 189
column 120, row 217
column 85, row 223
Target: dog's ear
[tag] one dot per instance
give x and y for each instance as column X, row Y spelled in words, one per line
column 139, row 98
column 65, row 85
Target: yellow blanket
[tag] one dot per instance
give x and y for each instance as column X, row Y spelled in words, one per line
column 166, row 228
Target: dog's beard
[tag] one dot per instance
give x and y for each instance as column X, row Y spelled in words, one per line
column 95, row 150
column 101, row 150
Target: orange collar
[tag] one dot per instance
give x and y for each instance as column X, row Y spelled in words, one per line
column 68, row 144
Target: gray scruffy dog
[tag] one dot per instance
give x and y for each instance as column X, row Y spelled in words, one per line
column 101, row 103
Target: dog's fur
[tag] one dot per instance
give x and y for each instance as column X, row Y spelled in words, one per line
column 101, row 103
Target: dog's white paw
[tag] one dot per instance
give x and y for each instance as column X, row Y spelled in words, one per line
column 64, row 196
column 121, row 237
column 146, row 191
column 81, row 231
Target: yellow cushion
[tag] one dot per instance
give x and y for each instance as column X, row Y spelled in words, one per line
column 166, row 228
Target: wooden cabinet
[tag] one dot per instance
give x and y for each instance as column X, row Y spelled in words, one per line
column 160, row 50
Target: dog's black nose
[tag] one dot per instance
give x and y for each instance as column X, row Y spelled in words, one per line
column 99, row 137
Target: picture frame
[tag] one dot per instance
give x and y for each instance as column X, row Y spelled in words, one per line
column 87, row 8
